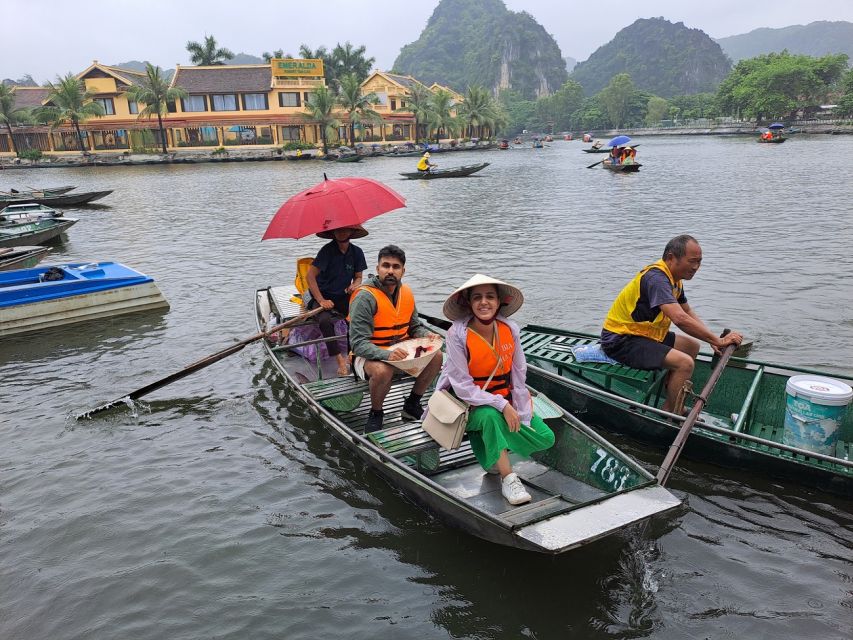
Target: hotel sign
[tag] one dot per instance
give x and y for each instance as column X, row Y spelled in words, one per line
column 297, row 67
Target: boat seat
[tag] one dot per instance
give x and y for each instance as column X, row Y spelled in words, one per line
column 543, row 345
column 338, row 394
column 282, row 298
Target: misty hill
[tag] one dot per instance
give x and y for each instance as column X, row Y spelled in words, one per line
column 245, row 58
column 571, row 63
column 814, row 39
column 661, row 57
column 481, row 42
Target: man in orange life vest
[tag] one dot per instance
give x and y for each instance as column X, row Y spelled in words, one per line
column 636, row 331
column 383, row 313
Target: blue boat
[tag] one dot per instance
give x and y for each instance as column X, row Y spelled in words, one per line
column 32, row 299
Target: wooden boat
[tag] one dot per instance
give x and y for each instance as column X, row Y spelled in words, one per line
column 304, row 156
column 35, row 232
column 504, row 144
column 404, row 154
column 60, row 200
column 51, row 191
column 774, row 140
column 598, row 150
column 453, row 172
column 549, row 138
column 18, row 213
column 31, row 299
column 626, row 168
column 742, row 424
column 350, row 157
column 583, row 488
column 21, row 257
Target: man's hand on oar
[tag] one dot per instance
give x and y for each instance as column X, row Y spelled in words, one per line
column 198, row 365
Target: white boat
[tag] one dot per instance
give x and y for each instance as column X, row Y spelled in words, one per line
column 28, row 212
column 47, row 297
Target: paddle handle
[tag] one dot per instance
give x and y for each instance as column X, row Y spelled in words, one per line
column 681, row 438
column 199, row 364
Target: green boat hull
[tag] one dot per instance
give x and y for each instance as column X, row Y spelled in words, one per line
column 742, row 422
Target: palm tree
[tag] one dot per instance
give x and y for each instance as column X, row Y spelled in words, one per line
column 209, row 53
column 441, row 103
column 356, row 105
column 155, row 93
column 267, row 56
column 10, row 114
column 476, row 110
column 69, row 101
column 419, row 104
column 319, row 108
column 346, row 59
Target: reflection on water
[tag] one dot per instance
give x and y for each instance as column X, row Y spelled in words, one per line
column 221, row 507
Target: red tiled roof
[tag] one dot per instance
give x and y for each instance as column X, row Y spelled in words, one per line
column 224, row 79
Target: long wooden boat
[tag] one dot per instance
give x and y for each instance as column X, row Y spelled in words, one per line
column 350, row 157
column 47, row 191
column 35, row 232
column 598, row 150
column 776, row 140
column 453, row 172
column 59, row 200
column 583, row 488
column 19, row 213
column 625, row 168
column 47, row 297
column 742, row 425
column 21, row 257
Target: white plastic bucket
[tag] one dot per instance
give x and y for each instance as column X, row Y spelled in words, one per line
column 814, row 409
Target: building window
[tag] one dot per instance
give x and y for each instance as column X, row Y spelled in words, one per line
column 402, row 104
column 393, row 105
column 107, row 104
column 193, row 103
column 289, row 99
column 305, row 95
column 255, row 102
column 223, row 102
column 383, row 98
column 132, row 106
column 291, row 133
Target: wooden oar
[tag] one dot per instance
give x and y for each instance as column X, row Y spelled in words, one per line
column 197, row 366
column 681, row 439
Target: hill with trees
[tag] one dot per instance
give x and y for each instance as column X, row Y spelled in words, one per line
column 662, row 57
column 480, row 42
column 814, row 39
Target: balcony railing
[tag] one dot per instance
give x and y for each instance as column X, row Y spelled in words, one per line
column 298, row 82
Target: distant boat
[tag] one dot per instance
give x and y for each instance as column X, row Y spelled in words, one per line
column 597, row 150
column 49, row 191
column 21, row 257
column 61, row 200
column 47, row 297
column 350, row 157
column 454, row 172
column 625, row 168
column 35, row 232
column 774, row 140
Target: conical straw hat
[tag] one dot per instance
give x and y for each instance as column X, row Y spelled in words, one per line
column 456, row 306
column 412, row 365
column 357, row 232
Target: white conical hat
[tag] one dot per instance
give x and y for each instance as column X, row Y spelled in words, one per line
column 456, row 306
column 414, row 365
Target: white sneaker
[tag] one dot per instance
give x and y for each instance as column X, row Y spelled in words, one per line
column 513, row 490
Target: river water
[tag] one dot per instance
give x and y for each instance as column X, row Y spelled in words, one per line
column 222, row 509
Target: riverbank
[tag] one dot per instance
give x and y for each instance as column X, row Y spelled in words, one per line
column 744, row 128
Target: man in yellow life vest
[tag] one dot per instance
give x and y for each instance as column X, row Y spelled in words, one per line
column 424, row 164
column 636, row 331
column 383, row 313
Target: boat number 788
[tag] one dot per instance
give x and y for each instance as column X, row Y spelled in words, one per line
column 612, row 472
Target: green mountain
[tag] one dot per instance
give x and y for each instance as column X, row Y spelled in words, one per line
column 661, row 57
column 815, row 39
column 481, row 42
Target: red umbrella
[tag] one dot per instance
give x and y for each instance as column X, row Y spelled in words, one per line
column 332, row 204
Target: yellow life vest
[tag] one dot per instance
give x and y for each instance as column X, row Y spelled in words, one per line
column 483, row 356
column 390, row 322
column 619, row 319
column 423, row 165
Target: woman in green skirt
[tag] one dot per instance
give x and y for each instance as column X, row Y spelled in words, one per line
column 485, row 367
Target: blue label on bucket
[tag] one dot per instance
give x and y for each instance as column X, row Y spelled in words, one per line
column 812, row 426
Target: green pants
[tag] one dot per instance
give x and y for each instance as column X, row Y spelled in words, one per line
column 490, row 435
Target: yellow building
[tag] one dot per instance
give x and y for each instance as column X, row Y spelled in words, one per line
column 226, row 105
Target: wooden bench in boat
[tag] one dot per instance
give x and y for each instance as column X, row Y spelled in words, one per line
column 555, row 347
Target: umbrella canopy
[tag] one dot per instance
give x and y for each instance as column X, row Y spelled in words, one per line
column 332, row 204
column 776, row 125
column 618, row 141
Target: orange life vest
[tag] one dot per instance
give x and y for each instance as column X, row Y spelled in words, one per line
column 483, row 356
column 390, row 322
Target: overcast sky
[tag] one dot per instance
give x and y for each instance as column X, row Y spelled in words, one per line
column 50, row 37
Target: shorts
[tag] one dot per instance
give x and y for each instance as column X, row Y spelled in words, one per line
column 358, row 368
column 639, row 352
